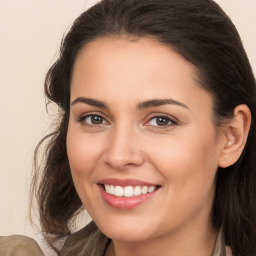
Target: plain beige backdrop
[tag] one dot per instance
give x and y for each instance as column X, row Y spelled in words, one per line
column 30, row 34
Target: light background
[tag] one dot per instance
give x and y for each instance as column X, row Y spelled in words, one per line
column 30, row 35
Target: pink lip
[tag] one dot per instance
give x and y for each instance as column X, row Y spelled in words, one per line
column 125, row 203
column 125, row 182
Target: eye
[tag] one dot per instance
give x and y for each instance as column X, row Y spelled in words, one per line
column 93, row 120
column 161, row 121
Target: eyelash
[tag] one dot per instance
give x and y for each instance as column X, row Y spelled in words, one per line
column 82, row 120
column 171, row 121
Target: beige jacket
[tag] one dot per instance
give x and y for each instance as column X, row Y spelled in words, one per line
column 89, row 241
column 19, row 246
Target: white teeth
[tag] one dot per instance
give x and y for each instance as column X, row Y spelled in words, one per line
column 128, row 191
column 144, row 190
column 137, row 191
column 119, row 191
column 151, row 189
column 107, row 188
column 112, row 190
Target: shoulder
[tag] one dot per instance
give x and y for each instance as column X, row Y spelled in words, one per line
column 87, row 241
column 19, row 245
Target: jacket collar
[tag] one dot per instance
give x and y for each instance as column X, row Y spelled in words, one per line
column 220, row 245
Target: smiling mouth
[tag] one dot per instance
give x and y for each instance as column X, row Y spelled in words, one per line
column 126, row 194
column 128, row 191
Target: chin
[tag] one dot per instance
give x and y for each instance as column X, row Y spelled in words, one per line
column 126, row 236
column 130, row 231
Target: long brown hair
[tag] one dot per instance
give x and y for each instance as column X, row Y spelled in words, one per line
column 202, row 33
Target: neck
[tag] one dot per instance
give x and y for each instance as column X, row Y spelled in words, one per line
column 200, row 242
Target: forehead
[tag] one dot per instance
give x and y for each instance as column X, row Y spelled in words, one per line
column 138, row 69
column 126, row 51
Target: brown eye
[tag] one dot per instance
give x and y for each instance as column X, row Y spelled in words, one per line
column 161, row 121
column 96, row 119
column 93, row 120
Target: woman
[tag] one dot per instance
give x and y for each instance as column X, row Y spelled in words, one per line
column 156, row 133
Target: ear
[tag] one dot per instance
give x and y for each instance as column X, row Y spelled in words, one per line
column 235, row 134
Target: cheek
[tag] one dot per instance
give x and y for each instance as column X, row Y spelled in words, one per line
column 188, row 169
column 190, row 161
column 83, row 153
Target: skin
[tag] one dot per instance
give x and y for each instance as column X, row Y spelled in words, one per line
column 181, row 156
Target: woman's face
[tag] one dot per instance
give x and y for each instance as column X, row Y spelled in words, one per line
column 141, row 128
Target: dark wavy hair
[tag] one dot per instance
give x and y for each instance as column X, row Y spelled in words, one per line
column 204, row 35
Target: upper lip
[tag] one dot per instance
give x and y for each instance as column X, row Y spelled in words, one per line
column 125, row 182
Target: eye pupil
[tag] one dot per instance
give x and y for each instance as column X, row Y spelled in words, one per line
column 162, row 121
column 96, row 119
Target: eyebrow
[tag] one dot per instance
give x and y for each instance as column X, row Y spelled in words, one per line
column 90, row 101
column 139, row 106
column 159, row 102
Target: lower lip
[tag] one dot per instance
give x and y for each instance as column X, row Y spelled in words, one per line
column 125, row 203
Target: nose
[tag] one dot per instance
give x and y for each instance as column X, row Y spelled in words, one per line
column 123, row 149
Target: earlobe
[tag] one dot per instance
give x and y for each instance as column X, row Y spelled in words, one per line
column 235, row 136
